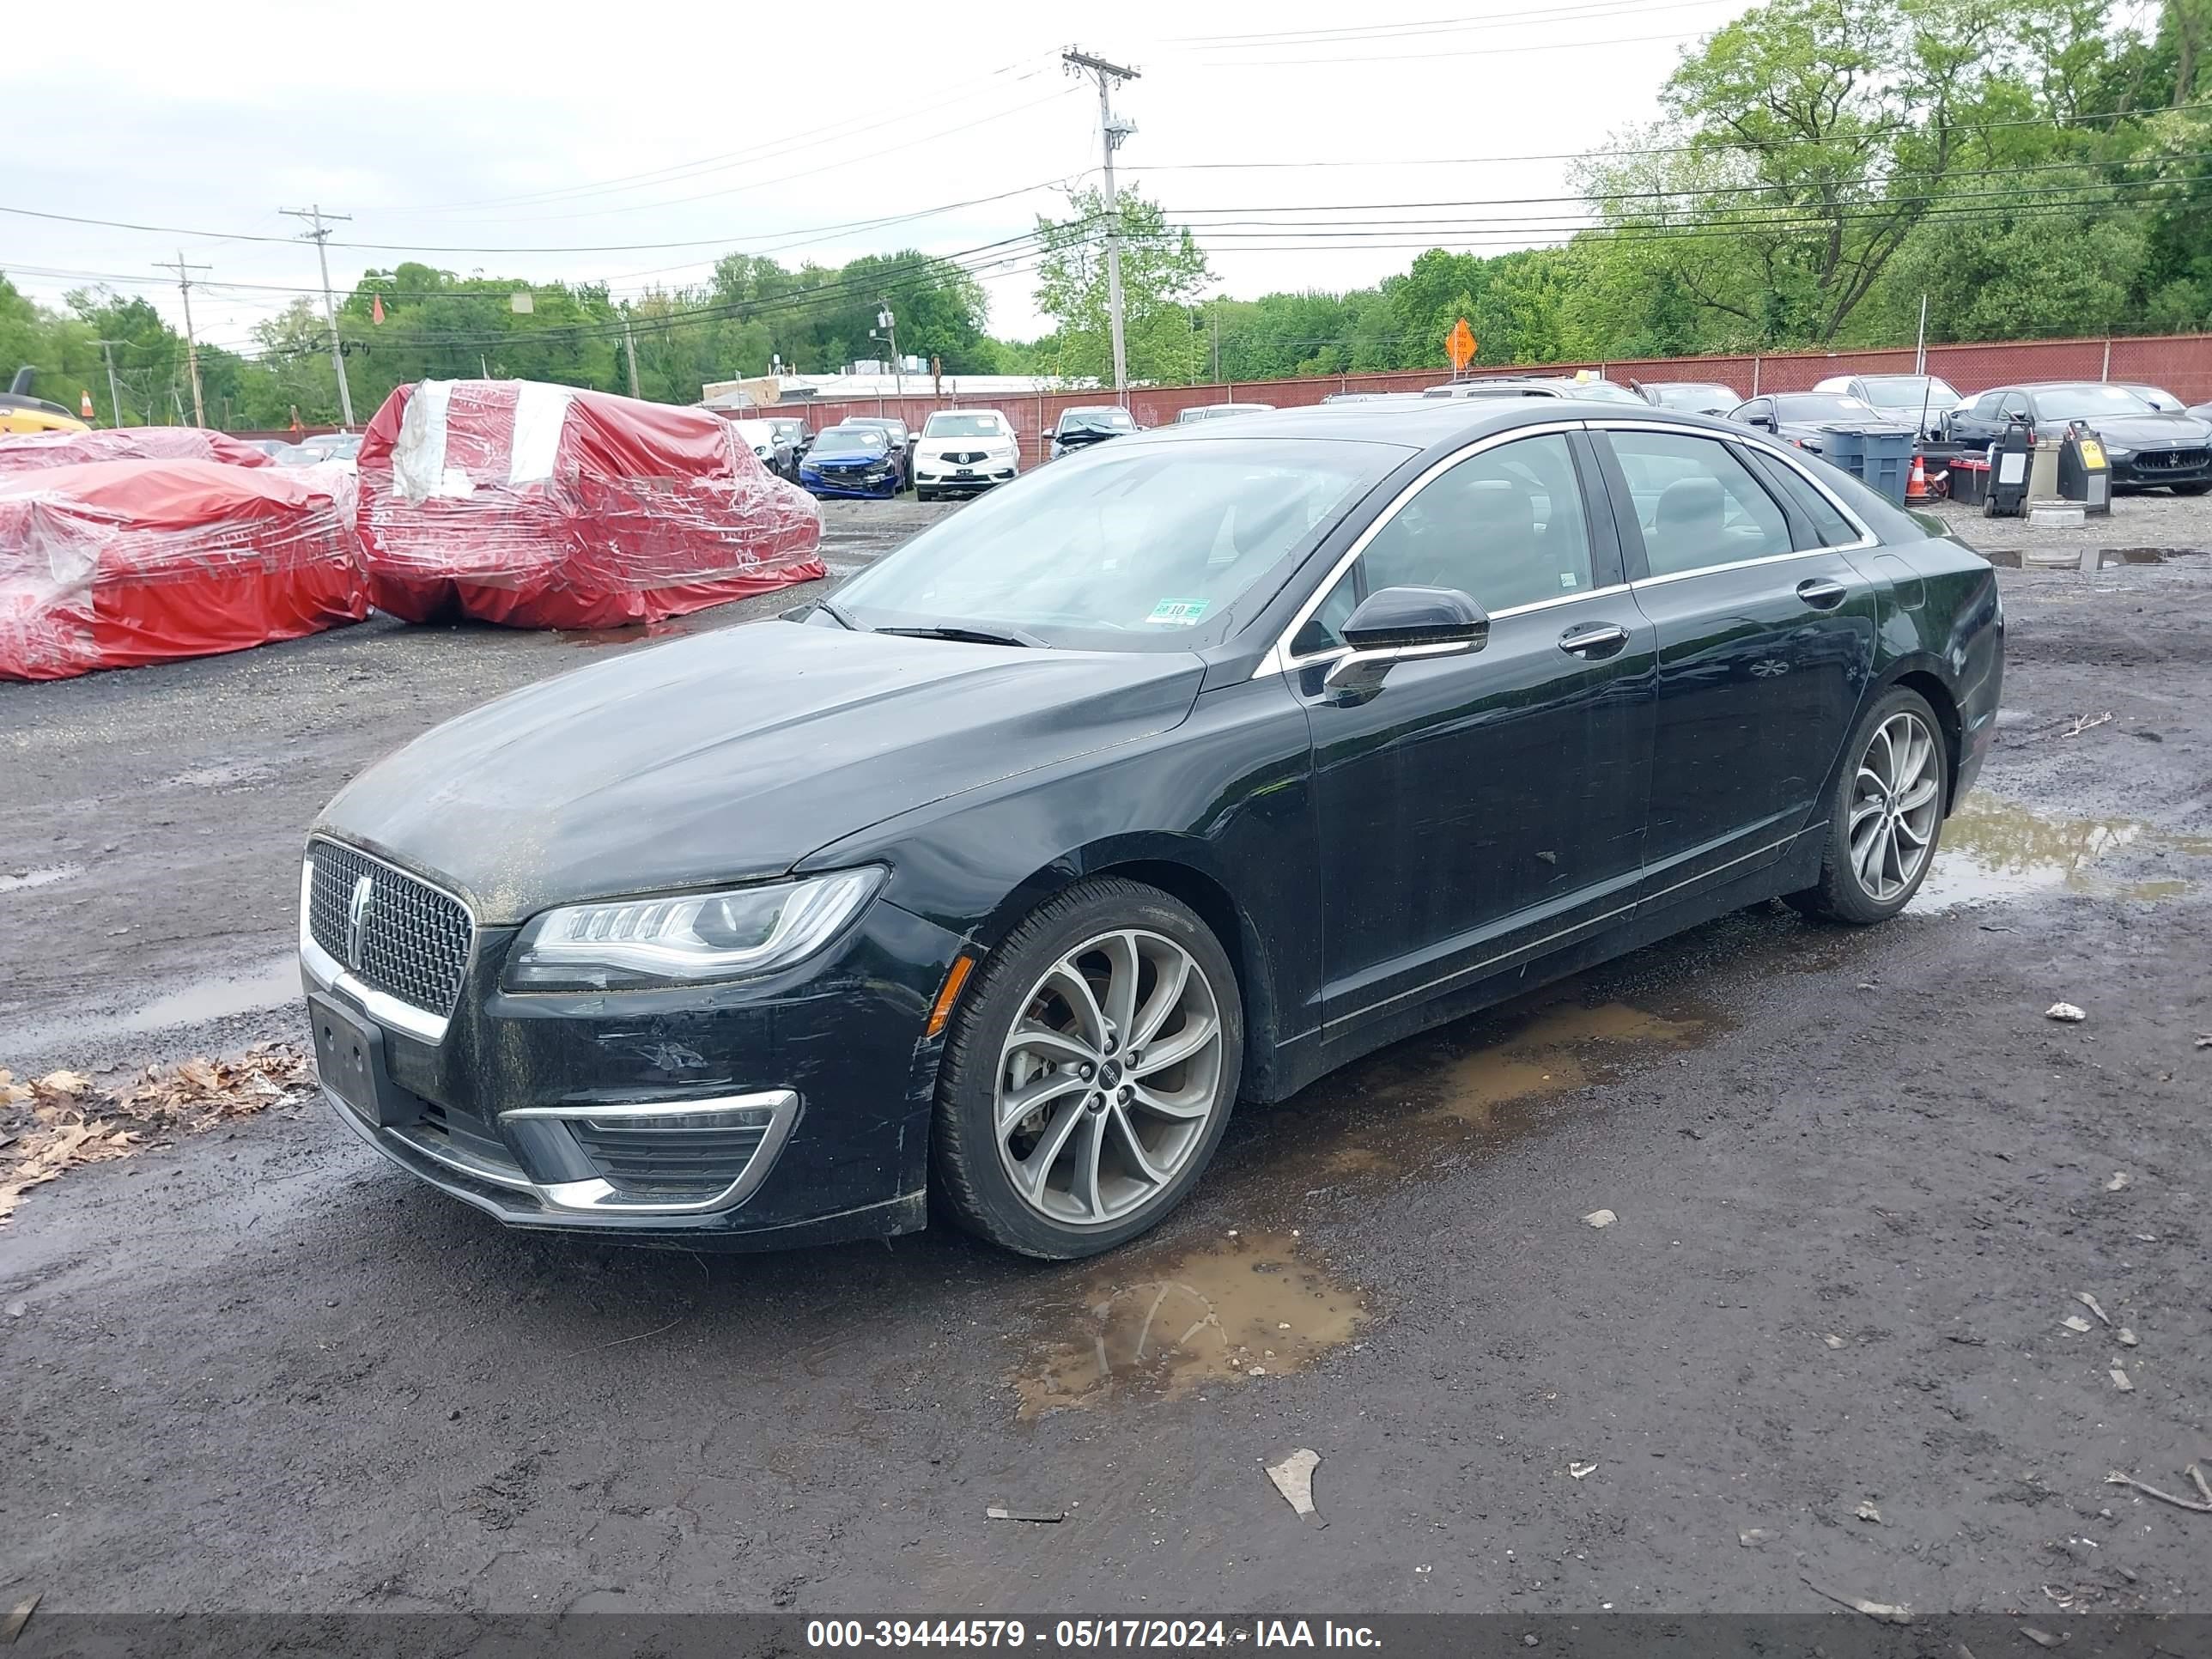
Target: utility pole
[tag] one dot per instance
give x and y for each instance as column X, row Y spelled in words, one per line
column 191, row 343
column 888, row 323
column 1110, row 75
column 114, row 396
column 320, row 235
column 629, row 349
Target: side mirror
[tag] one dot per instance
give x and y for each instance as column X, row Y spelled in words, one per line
column 1763, row 422
column 1399, row 623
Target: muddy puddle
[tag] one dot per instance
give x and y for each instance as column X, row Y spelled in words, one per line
column 1406, row 1108
column 1995, row 850
column 43, row 876
column 1161, row 1322
column 197, row 1002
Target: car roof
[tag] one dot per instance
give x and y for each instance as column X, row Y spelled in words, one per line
column 1418, row 424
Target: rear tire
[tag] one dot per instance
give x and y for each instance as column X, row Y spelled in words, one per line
column 1886, row 814
column 1112, row 1012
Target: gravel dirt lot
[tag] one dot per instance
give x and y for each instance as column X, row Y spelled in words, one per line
column 1858, row 1177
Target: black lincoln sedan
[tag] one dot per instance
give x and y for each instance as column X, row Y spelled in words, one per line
column 1175, row 774
column 2146, row 446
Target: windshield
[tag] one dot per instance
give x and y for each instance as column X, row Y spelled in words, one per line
column 2082, row 402
column 754, row 432
column 335, row 445
column 1907, row 391
column 1820, row 406
column 1113, row 419
column 851, row 440
column 1142, row 547
column 1695, row 396
column 964, row 426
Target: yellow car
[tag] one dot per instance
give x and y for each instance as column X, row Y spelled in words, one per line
column 20, row 412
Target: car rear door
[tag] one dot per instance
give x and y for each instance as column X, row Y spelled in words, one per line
column 1766, row 635
column 1473, row 810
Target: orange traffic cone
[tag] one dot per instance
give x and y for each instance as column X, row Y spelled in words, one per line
column 1916, row 487
column 84, row 404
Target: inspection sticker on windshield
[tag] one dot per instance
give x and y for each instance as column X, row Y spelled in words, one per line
column 1178, row 613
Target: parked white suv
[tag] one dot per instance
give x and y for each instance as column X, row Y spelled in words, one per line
column 964, row 452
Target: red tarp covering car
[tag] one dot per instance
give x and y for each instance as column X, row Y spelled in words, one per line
column 116, row 563
column 544, row 506
column 30, row 450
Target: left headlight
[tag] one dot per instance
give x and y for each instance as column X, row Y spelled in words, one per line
column 690, row 938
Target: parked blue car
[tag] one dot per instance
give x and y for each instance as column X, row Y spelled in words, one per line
column 854, row 460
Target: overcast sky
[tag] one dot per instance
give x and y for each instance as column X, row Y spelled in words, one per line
column 482, row 130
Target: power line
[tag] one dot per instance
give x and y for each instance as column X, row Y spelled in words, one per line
column 2081, row 124
column 782, row 145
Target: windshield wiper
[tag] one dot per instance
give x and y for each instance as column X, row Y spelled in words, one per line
column 838, row 616
column 968, row 635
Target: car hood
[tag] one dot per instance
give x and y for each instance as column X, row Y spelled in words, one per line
column 731, row 756
column 879, row 458
column 2151, row 431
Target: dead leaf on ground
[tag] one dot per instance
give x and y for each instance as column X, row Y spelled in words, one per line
column 74, row 1121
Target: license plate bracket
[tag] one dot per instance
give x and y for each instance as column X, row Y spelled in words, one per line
column 350, row 1058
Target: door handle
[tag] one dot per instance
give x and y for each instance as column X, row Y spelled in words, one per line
column 1820, row 594
column 1594, row 640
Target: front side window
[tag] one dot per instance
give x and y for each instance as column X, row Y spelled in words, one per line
column 1505, row 526
column 1697, row 504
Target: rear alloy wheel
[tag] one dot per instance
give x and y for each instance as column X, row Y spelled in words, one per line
column 1886, row 816
column 1091, row 1072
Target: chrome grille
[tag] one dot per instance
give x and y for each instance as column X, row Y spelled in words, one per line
column 412, row 939
column 2165, row 460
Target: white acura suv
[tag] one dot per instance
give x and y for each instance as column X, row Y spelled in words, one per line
column 964, row 452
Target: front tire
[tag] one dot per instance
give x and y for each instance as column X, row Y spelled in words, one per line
column 1885, row 814
column 2195, row 488
column 1089, row 1074
column 921, row 494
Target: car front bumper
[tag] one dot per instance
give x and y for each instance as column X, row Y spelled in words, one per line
column 2140, row 472
column 545, row 1110
column 817, row 483
column 976, row 476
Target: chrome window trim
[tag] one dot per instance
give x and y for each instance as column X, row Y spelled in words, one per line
column 326, row 973
column 1279, row 659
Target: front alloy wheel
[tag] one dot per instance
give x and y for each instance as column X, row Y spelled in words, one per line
column 1108, row 1077
column 1089, row 1073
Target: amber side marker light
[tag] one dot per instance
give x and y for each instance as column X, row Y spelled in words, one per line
column 941, row 1011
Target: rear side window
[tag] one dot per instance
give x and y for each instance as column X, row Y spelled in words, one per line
column 1830, row 527
column 1697, row 504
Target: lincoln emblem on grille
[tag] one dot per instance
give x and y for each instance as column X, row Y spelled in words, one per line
column 364, row 890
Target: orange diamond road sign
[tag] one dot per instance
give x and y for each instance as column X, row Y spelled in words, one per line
column 1460, row 344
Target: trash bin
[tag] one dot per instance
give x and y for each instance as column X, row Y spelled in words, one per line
column 1970, row 480
column 1877, row 455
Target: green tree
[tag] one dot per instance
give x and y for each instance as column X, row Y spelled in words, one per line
column 1163, row 270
